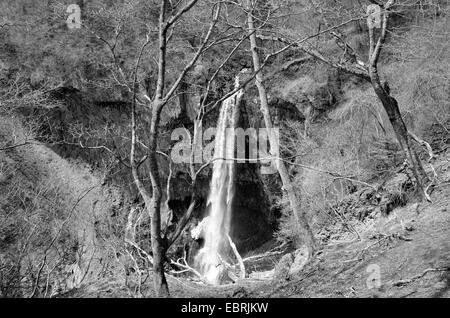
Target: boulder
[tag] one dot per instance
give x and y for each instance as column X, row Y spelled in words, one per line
column 301, row 257
column 283, row 267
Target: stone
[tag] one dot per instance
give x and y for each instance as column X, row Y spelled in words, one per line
column 282, row 269
column 301, row 257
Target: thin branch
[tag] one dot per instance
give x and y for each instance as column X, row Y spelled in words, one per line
column 412, row 279
column 15, row 146
column 195, row 58
column 177, row 16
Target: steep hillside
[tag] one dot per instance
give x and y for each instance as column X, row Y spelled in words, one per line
column 86, row 202
column 109, row 126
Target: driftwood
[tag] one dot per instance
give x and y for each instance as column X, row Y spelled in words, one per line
column 185, row 267
column 238, row 256
column 271, row 252
column 182, row 263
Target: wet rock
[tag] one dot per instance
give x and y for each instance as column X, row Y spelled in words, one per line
column 198, row 231
column 220, row 277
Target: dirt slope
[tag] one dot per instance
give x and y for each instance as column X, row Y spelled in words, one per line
column 80, row 187
column 409, row 249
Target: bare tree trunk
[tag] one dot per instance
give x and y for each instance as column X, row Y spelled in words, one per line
column 299, row 215
column 158, row 248
column 159, row 279
column 390, row 104
column 391, row 107
column 152, row 203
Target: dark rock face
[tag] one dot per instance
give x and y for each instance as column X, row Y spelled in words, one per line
column 252, row 221
column 281, row 110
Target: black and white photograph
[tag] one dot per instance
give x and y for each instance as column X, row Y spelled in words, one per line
column 236, row 156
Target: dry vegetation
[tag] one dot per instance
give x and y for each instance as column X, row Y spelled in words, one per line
column 93, row 95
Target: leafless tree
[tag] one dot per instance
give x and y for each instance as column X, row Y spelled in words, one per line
column 299, row 214
column 369, row 72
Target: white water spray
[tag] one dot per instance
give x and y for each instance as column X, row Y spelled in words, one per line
column 217, row 223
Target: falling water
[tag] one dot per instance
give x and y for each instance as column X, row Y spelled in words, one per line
column 217, row 224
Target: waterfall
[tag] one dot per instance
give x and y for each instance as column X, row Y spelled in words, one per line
column 216, row 225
